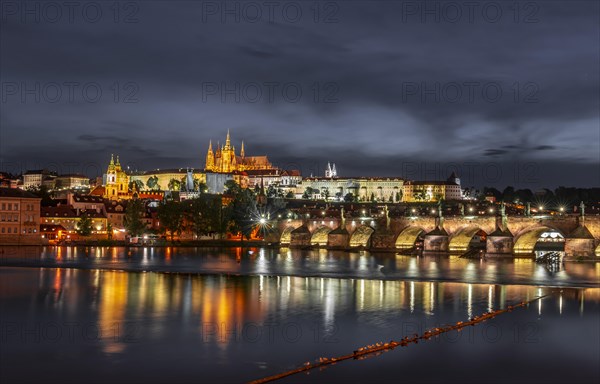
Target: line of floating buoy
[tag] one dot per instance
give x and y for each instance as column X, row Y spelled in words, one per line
column 377, row 348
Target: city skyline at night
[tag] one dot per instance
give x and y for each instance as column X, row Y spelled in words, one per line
column 315, row 191
column 342, row 83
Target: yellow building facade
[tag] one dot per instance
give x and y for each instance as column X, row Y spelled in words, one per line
column 381, row 189
column 117, row 182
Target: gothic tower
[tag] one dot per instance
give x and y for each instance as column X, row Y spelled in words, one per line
column 210, row 158
column 228, row 160
column 218, row 162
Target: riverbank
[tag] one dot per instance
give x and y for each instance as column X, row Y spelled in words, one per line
column 162, row 244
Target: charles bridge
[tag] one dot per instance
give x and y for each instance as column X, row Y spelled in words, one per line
column 578, row 236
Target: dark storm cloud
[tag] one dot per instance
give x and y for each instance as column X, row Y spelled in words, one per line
column 507, row 149
column 95, row 139
column 495, row 152
column 544, row 147
column 378, row 88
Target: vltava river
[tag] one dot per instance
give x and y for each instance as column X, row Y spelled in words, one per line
column 310, row 263
column 114, row 315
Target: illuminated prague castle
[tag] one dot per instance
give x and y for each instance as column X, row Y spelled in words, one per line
column 225, row 160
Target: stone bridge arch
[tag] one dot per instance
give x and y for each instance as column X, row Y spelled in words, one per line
column 286, row 235
column 461, row 240
column 320, row 235
column 361, row 237
column 408, row 237
column 527, row 240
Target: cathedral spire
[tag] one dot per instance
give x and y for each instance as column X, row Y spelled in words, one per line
column 227, row 140
column 210, row 158
column 242, row 152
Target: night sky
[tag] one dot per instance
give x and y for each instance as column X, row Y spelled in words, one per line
column 504, row 95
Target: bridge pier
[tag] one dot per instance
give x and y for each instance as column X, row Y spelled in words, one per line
column 273, row 236
column 579, row 243
column 300, row 237
column 436, row 241
column 500, row 243
column 338, row 238
column 383, row 239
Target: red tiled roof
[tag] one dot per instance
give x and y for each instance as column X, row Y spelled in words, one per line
column 15, row 192
column 59, row 211
column 69, row 211
column 98, row 191
column 88, row 198
column 291, row 172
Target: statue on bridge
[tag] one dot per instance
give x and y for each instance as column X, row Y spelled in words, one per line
column 440, row 220
column 528, row 209
column 462, row 209
column 387, row 216
column 503, row 215
column 582, row 207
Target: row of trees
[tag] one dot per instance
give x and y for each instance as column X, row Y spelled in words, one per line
column 561, row 195
column 174, row 184
column 274, row 192
column 204, row 215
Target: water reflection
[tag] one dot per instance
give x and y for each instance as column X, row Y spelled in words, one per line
column 319, row 262
column 207, row 324
column 117, row 295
